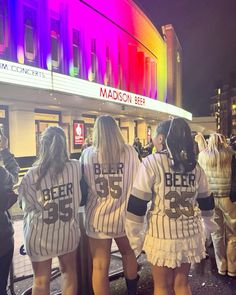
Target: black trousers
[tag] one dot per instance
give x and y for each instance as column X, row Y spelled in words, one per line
column 5, row 263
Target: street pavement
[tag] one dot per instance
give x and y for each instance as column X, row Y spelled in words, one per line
column 204, row 279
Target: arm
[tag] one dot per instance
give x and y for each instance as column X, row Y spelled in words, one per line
column 206, row 204
column 141, row 194
column 8, row 176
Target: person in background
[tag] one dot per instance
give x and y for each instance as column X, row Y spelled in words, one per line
column 138, row 147
column 109, row 167
column 216, row 161
column 50, row 197
column 201, row 142
column 177, row 187
column 87, row 143
column 8, row 177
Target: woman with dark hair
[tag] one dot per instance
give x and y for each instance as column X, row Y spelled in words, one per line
column 176, row 185
column 8, row 177
column 50, row 198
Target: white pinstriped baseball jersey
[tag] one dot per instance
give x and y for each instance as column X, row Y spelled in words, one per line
column 109, row 187
column 51, row 225
column 174, row 211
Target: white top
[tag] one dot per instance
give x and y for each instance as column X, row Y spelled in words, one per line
column 51, row 225
column 109, row 186
column 174, row 212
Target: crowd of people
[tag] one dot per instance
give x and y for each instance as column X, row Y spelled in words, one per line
column 165, row 204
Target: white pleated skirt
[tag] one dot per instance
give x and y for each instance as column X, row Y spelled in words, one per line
column 172, row 253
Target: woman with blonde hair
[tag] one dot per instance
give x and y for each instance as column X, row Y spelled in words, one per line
column 216, row 161
column 50, row 198
column 109, row 167
column 201, row 142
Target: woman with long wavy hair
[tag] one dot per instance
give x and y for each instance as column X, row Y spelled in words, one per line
column 50, row 198
column 216, row 161
column 109, row 167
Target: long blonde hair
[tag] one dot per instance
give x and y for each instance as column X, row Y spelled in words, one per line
column 217, row 155
column 52, row 154
column 108, row 140
column 201, row 142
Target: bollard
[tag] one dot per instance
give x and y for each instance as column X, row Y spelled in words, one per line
column 84, row 268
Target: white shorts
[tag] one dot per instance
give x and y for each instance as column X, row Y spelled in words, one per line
column 172, row 253
column 94, row 233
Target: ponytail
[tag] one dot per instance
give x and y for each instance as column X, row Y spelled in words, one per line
column 179, row 144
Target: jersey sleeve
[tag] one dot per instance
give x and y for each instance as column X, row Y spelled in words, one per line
column 141, row 194
column 26, row 195
column 204, row 198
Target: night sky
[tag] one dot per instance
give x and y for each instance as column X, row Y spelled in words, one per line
column 207, row 32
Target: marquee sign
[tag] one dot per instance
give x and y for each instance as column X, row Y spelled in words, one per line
column 14, row 73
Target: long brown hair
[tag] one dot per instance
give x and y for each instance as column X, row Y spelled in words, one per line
column 53, row 153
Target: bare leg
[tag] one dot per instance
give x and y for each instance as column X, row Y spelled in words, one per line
column 101, row 252
column 181, row 284
column 163, row 278
column 42, row 274
column 69, row 273
column 128, row 258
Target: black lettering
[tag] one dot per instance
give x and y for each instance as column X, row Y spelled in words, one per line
column 46, row 194
column 61, row 191
column 105, row 169
column 168, row 179
column 177, row 182
column 120, row 166
column 191, row 179
column 54, row 192
column 112, row 169
column 184, row 180
column 97, row 169
column 69, row 188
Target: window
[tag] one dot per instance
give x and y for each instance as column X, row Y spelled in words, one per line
column 154, row 79
column 147, row 76
column 3, row 26
column 76, row 54
column 93, row 60
column 55, row 44
column 108, row 67
column 30, row 47
column 119, row 71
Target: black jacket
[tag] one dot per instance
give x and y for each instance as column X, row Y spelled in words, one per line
column 8, row 177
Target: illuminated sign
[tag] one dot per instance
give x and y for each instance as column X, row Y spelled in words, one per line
column 78, row 133
column 26, row 76
column 122, row 96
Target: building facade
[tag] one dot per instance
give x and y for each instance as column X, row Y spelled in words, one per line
column 65, row 62
column 223, row 107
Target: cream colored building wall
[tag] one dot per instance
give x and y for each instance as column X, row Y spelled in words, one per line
column 130, row 125
column 142, row 132
column 22, row 132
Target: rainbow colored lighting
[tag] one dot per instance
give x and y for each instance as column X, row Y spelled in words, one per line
column 83, row 38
